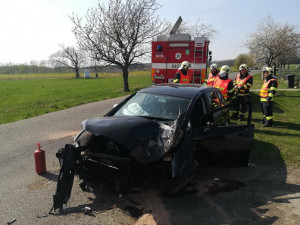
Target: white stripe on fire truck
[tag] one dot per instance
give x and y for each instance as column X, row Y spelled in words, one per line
column 176, row 65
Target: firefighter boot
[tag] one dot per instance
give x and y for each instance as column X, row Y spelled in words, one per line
column 268, row 123
column 234, row 116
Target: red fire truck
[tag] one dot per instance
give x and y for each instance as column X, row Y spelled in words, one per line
column 169, row 51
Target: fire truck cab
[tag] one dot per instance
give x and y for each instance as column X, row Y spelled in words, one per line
column 168, row 52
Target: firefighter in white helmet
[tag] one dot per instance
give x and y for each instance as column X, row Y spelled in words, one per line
column 182, row 75
column 214, row 72
column 243, row 82
column 267, row 94
column 224, row 84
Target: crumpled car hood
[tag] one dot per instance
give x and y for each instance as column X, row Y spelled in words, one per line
column 145, row 139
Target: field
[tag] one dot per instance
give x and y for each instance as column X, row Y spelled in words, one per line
column 25, row 96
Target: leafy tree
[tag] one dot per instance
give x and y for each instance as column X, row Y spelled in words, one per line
column 69, row 57
column 119, row 34
column 243, row 58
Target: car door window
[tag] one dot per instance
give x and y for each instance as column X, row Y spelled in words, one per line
column 214, row 101
column 197, row 115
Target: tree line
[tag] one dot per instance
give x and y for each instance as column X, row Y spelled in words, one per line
column 28, row 69
column 10, row 68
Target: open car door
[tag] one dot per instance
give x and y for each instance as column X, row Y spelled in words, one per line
column 219, row 143
column 224, row 146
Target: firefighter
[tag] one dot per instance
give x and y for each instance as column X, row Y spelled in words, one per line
column 242, row 83
column 182, row 76
column 214, row 72
column 224, row 84
column 267, row 94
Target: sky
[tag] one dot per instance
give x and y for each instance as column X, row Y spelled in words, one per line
column 32, row 30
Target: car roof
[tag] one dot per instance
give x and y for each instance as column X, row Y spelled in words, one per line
column 175, row 89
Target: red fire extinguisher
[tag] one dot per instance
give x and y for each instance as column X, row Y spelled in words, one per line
column 40, row 159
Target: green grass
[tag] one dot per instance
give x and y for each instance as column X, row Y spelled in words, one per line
column 282, row 141
column 64, row 75
column 25, row 98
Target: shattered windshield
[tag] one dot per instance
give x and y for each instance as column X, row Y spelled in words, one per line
column 154, row 105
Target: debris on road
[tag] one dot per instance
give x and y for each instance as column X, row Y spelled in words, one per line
column 11, row 222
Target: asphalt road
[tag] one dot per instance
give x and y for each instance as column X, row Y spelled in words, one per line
column 24, row 194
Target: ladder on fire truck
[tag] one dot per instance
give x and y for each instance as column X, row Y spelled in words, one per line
column 198, row 58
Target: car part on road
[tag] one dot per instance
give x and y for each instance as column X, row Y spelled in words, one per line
column 67, row 158
column 12, row 221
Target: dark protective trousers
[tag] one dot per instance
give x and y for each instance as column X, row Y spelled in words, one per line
column 267, row 110
column 241, row 108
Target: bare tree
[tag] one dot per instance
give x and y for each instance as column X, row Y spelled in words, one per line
column 119, row 34
column 273, row 41
column 69, row 57
column 199, row 29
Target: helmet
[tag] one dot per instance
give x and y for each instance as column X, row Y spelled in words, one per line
column 268, row 69
column 225, row 68
column 213, row 66
column 243, row 66
column 184, row 65
column 224, row 71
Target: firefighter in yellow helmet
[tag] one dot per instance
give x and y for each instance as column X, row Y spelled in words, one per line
column 267, row 94
column 224, row 84
column 243, row 82
column 182, row 75
column 214, row 72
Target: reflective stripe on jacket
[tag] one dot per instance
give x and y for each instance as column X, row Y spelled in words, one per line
column 222, row 85
column 265, row 92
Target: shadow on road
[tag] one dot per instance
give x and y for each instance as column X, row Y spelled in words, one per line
column 252, row 195
column 49, row 176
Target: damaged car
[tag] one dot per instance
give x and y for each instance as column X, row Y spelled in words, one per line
column 161, row 133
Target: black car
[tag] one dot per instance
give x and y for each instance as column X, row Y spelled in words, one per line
column 141, row 137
